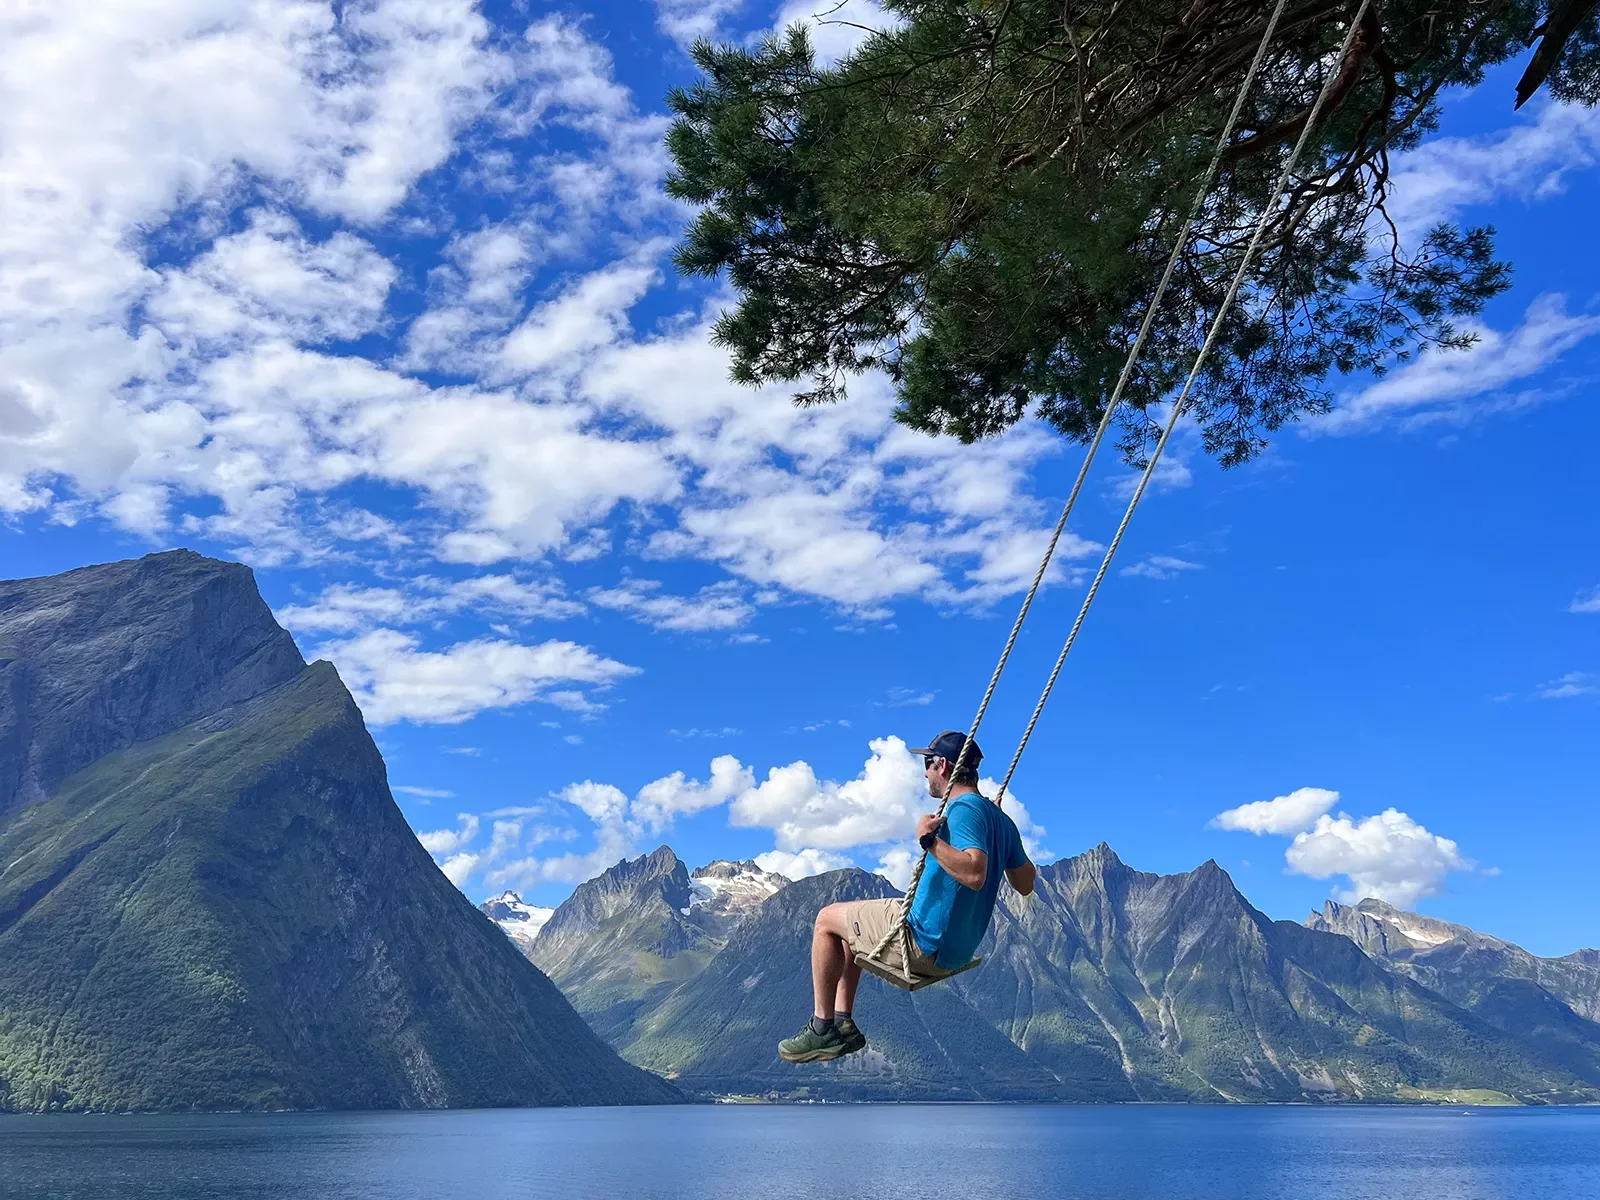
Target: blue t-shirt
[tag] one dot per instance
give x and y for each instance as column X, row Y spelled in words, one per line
column 948, row 919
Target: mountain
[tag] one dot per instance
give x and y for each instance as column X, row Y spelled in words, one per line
column 520, row 922
column 1549, row 1003
column 1106, row 984
column 726, row 892
column 718, row 1032
column 208, row 898
column 1191, row 993
column 637, row 930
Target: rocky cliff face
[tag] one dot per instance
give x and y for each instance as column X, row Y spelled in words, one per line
column 208, row 898
column 100, row 658
column 1184, row 989
column 626, row 937
column 719, row 1031
column 725, row 892
column 1106, row 984
column 1548, row 1003
column 520, row 921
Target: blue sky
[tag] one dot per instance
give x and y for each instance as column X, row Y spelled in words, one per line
column 378, row 301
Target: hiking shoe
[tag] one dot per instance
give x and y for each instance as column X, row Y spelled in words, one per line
column 854, row 1039
column 811, row 1046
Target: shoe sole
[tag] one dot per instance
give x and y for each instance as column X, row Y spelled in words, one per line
column 825, row 1054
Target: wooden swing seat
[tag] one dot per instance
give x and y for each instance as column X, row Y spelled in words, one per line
column 903, row 978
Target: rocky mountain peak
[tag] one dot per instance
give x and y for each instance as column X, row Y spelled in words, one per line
column 279, row 937
column 520, row 920
column 727, row 891
column 98, row 659
column 1383, row 930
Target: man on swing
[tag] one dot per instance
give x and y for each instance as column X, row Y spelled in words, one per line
column 969, row 850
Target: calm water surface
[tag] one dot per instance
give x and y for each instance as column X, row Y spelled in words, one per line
column 913, row 1152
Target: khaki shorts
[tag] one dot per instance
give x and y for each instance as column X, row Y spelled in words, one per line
column 865, row 923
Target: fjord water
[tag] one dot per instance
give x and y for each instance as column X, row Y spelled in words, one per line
column 778, row 1153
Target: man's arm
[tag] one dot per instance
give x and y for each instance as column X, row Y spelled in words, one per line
column 969, row 868
column 1022, row 878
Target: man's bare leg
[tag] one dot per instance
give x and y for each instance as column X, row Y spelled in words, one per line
column 831, row 964
column 844, row 997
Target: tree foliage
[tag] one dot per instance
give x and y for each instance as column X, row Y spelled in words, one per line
column 980, row 201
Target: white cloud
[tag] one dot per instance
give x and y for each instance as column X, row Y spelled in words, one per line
column 719, row 606
column 802, row 864
column 448, row 841
column 1573, row 683
column 878, row 808
column 837, row 27
column 1293, row 813
column 897, row 863
column 673, row 795
column 393, row 679
column 1032, row 833
column 685, row 21
column 1586, row 602
column 901, row 697
column 1457, row 386
column 458, row 868
column 347, row 608
column 802, row 811
column 1160, row 566
column 1445, row 176
column 425, row 793
column 1389, row 856
column 558, row 334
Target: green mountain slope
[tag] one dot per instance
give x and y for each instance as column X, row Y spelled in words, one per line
column 626, row 938
column 1106, row 984
column 718, row 1033
column 1206, row 998
column 1549, row 1004
column 234, row 914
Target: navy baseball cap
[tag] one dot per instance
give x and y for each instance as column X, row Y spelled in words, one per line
column 948, row 745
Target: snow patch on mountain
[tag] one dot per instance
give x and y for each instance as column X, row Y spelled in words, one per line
column 520, row 921
column 728, row 889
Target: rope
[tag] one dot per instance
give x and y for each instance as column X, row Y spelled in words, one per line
column 1183, row 396
column 1134, row 353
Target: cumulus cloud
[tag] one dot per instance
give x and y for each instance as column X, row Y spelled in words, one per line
column 203, row 336
column 897, row 863
column 448, row 841
column 1281, row 815
column 674, row 795
column 802, row 864
column 1389, row 856
column 686, row 21
column 393, row 679
column 837, row 27
column 813, row 821
column 458, row 868
column 802, row 811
